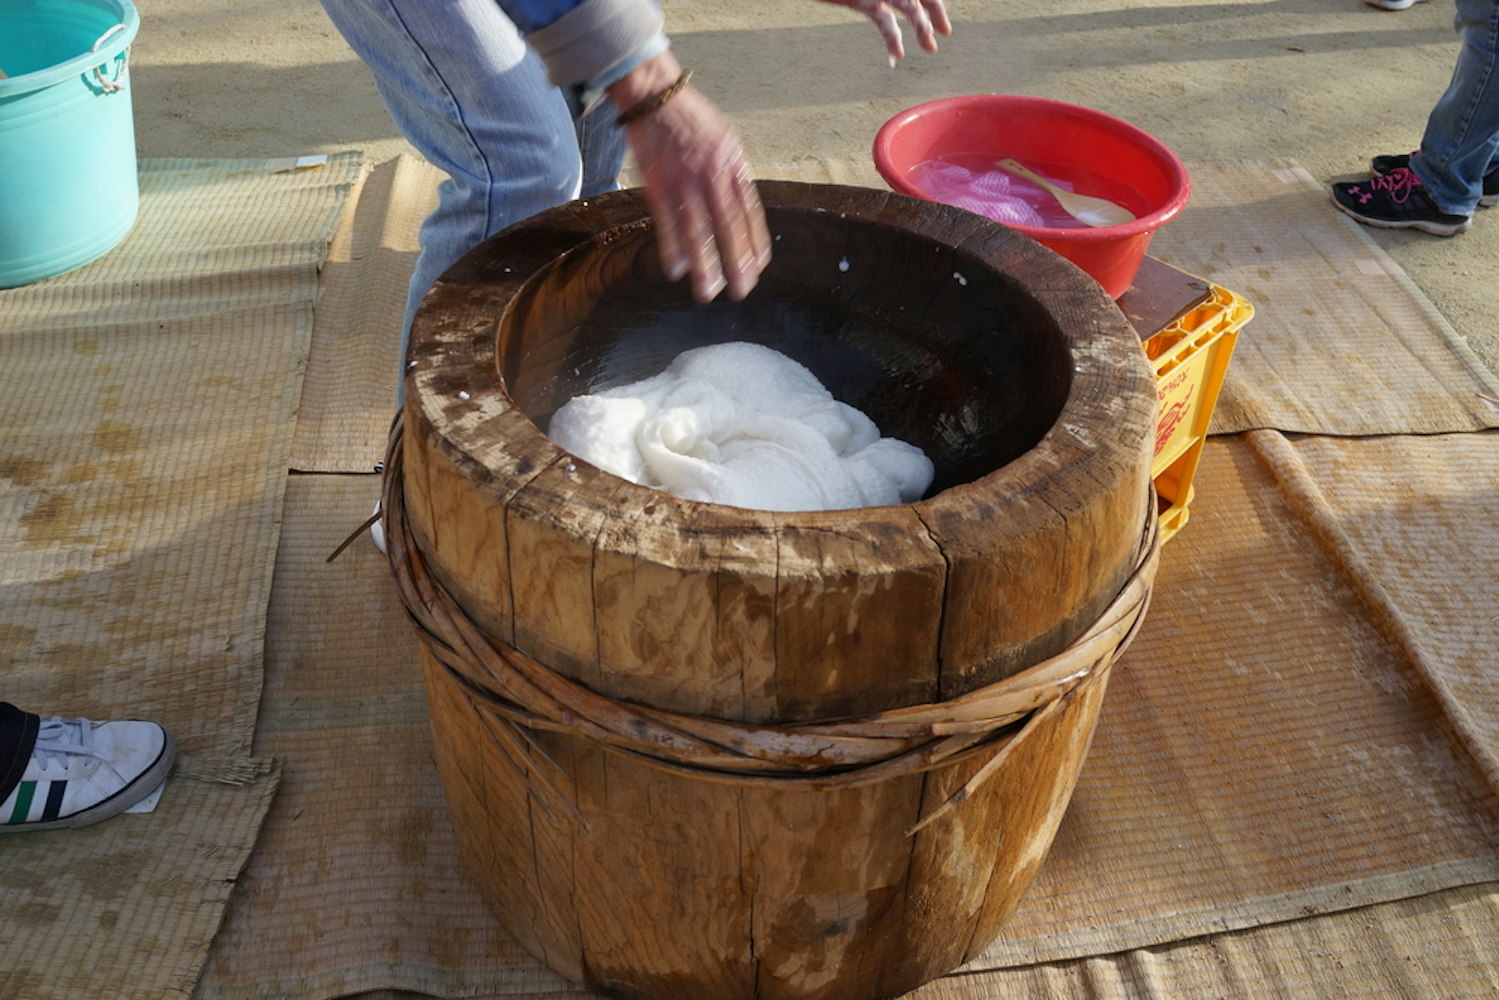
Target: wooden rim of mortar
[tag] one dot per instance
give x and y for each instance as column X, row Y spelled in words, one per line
column 454, row 379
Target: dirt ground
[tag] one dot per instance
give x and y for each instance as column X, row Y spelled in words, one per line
column 1324, row 82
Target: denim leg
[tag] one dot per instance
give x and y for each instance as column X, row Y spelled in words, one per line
column 601, row 146
column 1461, row 142
column 18, row 731
column 464, row 89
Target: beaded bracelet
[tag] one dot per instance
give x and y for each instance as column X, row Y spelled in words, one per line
column 649, row 104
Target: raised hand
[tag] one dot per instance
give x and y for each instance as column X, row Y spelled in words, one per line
column 927, row 17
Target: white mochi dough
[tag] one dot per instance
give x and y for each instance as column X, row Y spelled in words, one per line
column 743, row 425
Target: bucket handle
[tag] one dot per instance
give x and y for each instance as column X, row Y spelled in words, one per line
column 106, row 85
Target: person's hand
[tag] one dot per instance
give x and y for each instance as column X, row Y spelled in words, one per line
column 928, row 17
column 709, row 220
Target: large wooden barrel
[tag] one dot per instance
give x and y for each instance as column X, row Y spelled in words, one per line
column 698, row 751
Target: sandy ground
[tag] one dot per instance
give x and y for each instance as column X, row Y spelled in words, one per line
column 1324, row 82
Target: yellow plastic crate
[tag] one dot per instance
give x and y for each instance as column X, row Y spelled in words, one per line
column 1190, row 356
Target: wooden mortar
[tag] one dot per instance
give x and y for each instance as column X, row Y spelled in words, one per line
column 641, row 869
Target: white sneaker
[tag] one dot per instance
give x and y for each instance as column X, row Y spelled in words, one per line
column 377, row 529
column 82, row 772
column 1393, row 4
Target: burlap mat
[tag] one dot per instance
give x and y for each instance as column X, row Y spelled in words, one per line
column 1414, row 521
column 147, row 401
column 356, row 883
column 1343, row 342
column 1421, row 947
column 1303, row 728
column 1271, row 747
column 356, row 346
column 1436, row 947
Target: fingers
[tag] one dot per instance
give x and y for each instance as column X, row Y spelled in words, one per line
column 884, row 19
column 749, row 197
column 704, row 222
column 730, row 241
column 937, row 11
column 740, row 233
column 928, row 19
column 670, row 236
column 921, row 23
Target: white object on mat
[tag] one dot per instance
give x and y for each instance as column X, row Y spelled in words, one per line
column 148, row 804
column 289, row 164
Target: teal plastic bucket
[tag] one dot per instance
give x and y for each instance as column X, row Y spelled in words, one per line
column 68, row 188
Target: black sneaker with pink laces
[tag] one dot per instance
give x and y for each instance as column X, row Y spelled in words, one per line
column 1396, row 201
column 1391, row 162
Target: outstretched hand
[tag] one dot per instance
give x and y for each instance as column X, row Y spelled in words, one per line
column 709, row 221
column 927, row 17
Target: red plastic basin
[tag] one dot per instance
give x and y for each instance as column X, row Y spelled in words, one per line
column 1141, row 172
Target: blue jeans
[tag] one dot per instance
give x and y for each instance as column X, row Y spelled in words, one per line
column 464, row 89
column 1461, row 143
column 18, row 731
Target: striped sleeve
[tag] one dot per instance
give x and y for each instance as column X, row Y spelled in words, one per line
column 533, row 15
column 584, row 40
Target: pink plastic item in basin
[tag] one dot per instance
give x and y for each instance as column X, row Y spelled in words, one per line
column 1105, row 156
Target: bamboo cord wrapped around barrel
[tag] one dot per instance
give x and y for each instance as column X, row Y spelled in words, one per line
column 693, row 750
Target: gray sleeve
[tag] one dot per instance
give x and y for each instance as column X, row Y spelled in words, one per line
column 588, row 41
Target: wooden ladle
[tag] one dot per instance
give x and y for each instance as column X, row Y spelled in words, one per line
column 1084, row 208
